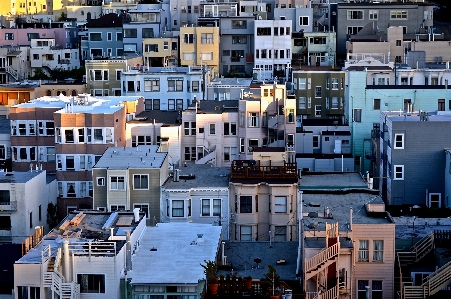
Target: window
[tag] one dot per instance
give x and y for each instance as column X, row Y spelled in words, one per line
column 398, row 14
column 151, row 85
column 280, row 233
column 399, row 172
column 245, row 233
column 376, row 289
column 302, row 103
column 245, row 204
column 441, row 105
column 315, row 141
column 70, row 163
column 373, row 14
column 263, row 30
column 354, row 29
column 171, row 104
column 253, row 119
column 31, row 220
column 189, row 55
column 142, row 208
column 376, row 104
column 175, row 85
column 216, row 207
column 147, row 33
column 399, row 141
column 363, row 251
column 117, row 183
column 188, row 38
column 290, row 115
column 205, row 207
column 302, row 83
column 206, row 38
column 229, row 154
column 177, row 208
column 98, row 135
column 141, row 181
column 190, row 153
column 91, row 283
column 95, row 37
column 334, row 83
column 189, row 128
column 317, row 110
column 303, row 21
column 355, row 14
column 130, row 33
column 119, row 36
column 318, row 92
column 206, row 56
column 253, row 143
column 398, row 43
column 151, row 48
column 239, row 39
column 357, row 115
column 334, row 103
column 434, row 200
column 114, row 208
column 69, row 135
column 9, row 36
column 239, row 24
column 100, row 181
column 212, row 129
column 361, row 289
column 280, row 204
column 378, row 250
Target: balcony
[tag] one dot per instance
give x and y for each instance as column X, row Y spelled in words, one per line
column 64, row 61
column 6, row 207
column 251, row 169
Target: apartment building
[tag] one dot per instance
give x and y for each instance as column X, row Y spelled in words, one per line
column 183, row 13
column 23, row 33
column 273, row 49
column 82, row 13
column 413, row 16
column 14, row 8
column 198, row 194
column 264, row 198
column 103, row 38
column 220, row 89
column 103, row 76
column 236, row 45
column 15, row 93
column 130, row 178
column 199, row 46
column 372, row 87
column 407, row 141
column 210, row 133
column 171, row 89
column 349, row 238
column 85, row 240
column 319, row 94
column 14, row 63
column 301, row 17
column 161, row 51
column 65, row 88
column 267, row 117
column 23, row 203
column 117, row 6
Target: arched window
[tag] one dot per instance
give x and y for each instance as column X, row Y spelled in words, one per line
column 63, row 92
column 58, row 92
column 74, row 93
column 48, row 92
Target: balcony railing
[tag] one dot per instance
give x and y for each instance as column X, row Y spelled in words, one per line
column 5, row 232
column 10, row 206
column 251, row 169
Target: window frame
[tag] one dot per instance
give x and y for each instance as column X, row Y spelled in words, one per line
column 398, row 172
column 396, row 142
column 141, row 176
column 363, row 251
column 119, row 179
column 245, row 204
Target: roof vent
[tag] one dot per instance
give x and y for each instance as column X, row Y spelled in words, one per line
column 153, row 249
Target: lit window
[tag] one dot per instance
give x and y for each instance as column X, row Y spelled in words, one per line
column 363, row 251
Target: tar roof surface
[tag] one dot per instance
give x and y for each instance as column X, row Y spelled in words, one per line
column 205, row 176
column 331, row 181
column 19, row 177
column 178, row 253
column 216, row 106
column 143, row 156
column 164, row 117
column 241, row 256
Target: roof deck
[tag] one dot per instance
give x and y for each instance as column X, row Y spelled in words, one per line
column 251, row 169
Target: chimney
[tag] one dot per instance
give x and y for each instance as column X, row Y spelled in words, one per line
column 136, row 212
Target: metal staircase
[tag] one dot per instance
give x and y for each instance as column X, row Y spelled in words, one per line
column 417, row 251
column 434, row 283
column 12, row 72
column 322, row 260
column 209, row 157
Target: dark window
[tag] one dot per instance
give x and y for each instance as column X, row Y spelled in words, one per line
column 91, row 283
column 441, row 105
column 245, row 204
column 4, row 196
column 377, row 104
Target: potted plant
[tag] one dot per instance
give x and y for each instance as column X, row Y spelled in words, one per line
column 210, row 271
column 247, row 280
column 274, row 278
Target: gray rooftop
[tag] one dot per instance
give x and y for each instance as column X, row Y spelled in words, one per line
column 178, row 253
column 19, row 177
column 159, row 116
column 205, row 176
column 332, row 181
column 432, row 116
column 143, row 156
column 241, row 256
column 230, row 82
column 217, row 107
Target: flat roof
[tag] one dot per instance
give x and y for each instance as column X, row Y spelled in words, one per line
column 214, row 107
column 165, row 70
column 331, row 181
column 172, row 253
column 218, row 82
column 205, row 176
column 143, row 156
column 159, row 116
column 432, row 116
column 19, row 177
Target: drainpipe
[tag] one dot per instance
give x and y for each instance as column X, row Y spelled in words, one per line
column 66, row 260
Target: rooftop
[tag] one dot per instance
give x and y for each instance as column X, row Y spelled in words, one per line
column 143, row 157
column 331, row 181
column 144, row 70
column 200, row 176
column 250, row 171
column 19, row 177
column 430, row 116
column 216, row 107
column 172, row 253
column 217, row 82
column 159, row 116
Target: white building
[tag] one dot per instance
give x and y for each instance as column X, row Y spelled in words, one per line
column 24, row 197
column 272, row 48
column 46, row 55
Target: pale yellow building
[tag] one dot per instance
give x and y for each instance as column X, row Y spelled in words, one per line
column 160, row 52
column 23, row 7
column 200, row 46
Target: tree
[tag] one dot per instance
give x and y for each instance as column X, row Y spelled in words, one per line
column 52, row 220
column 39, row 75
column 62, row 17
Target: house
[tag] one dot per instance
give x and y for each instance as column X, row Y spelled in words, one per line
column 22, row 33
column 14, row 63
column 199, row 46
column 272, row 40
column 349, row 238
column 83, row 13
column 130, row 178
column 165, row 250
column 66, row 88
column 197, row 194
column 319, row 94
column 220, row 89
column 362, row 18
column 210, row 133
column 166, row 88
column 403, row 138
column 11, row 7
column 15, row 93
column 236, row 45
column 161, row 51
column 98, row 241
column 117, row 6
column 103, row 39
column 23, row 203
column 183, row 13
column 103, row 76
column 264, row 200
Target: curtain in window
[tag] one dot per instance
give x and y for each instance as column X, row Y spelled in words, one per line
column 205, row 207
column 363, row 250
column 177, row 208
column 378, row 250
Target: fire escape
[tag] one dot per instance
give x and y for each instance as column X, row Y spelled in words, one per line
column 322, row 268
column 433, row 283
